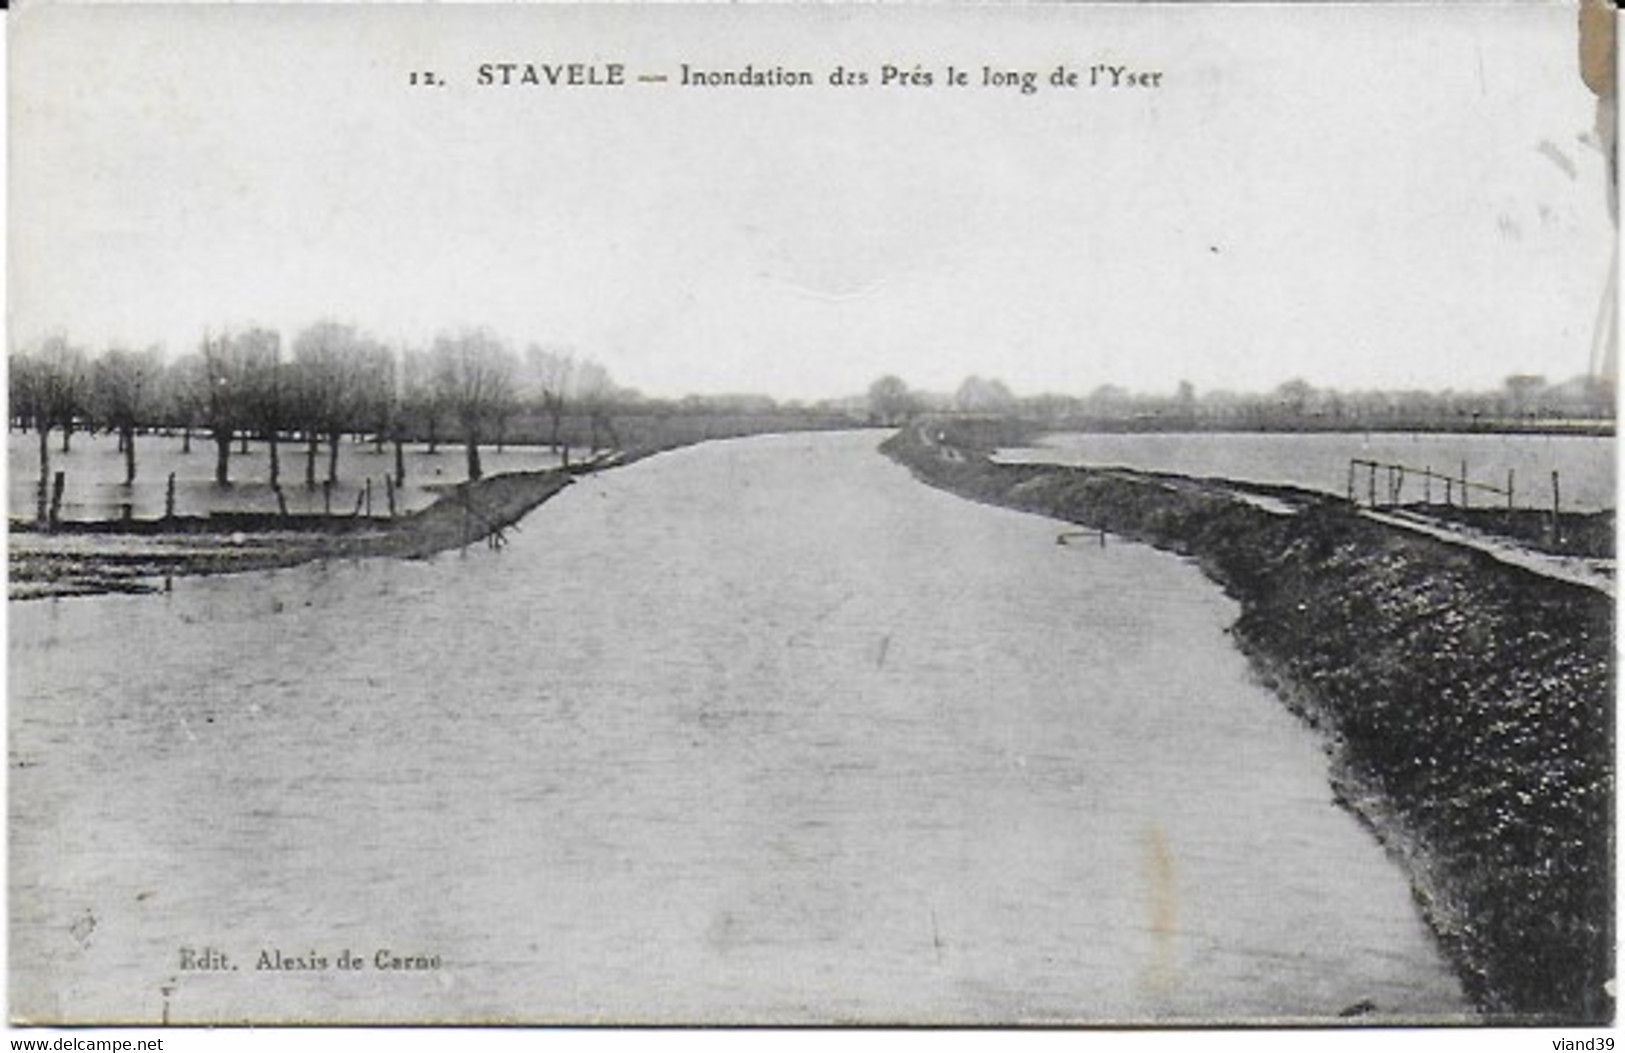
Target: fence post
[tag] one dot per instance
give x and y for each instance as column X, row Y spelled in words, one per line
column 1373, row 486
column 1352, row 463
column 281, row 502
column 57, row 484
column 1509, row 489
column 369, row 497
column 389, row 494
column 169, row 497
column 1427, row 485
column 1557, row 510
column 1464, row 484
column 327, row 497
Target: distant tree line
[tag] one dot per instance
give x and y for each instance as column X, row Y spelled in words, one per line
column 1523, row 400
column 300, row 400
column 334, row 380
column 471, row 386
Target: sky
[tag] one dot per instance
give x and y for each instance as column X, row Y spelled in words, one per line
column 1372, row 196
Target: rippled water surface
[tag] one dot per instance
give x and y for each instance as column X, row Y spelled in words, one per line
column 760, row 730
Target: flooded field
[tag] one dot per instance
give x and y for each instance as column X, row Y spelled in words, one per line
column 760, row 730
column 1320, row 461
column 94, row 475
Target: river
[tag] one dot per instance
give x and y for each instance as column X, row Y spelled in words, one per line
column 761, row 730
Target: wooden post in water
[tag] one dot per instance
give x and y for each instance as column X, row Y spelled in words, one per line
column 57, row 485
column 1557, row 510
column 1352, row 464
column 169, row 497
column 281, row 502
column 360, row 500
column 1427, row 485
column 369, row 496
column 389, row 494
column 468, row 512
column 1509, row 489
column 327, row 497
column 1372, row 488
column 1399, row 483
column 1449, row 492
column 1464, row 484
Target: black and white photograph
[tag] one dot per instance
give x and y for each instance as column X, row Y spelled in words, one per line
column 946, row 515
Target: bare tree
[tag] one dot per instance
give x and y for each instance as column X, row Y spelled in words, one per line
column 183, row 392
column 1523, row 391
column 1294, row 398
column 396, row 411
column 26, row 404
column 328, row 356
column 594, row 392
column 474, row 374
column 890, row 401
column 124, row 389
column 267, row 392
column 69, row 371
column 420, row 399
column 227, row 398
column 19, row 390
column 503, row 407
column 550, row 375
column 978, row 395
column 48, row 386
column 377, row 383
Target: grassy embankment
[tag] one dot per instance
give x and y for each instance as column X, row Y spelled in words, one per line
column 1467, row 705
column 120, row 556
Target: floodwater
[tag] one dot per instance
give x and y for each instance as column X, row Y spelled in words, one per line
column 761, row 730
column 1320, row 461
column 93, row 476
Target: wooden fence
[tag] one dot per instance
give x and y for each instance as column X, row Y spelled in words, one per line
column 1451, row 489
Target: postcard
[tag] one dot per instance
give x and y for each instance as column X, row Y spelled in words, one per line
column 1078, row 515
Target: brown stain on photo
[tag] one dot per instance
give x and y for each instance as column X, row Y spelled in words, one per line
column 1597, row 43
column 1160, row 970
column 1598, row 33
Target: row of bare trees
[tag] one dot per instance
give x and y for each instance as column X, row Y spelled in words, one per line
column 335, row 380
column 1524, row 400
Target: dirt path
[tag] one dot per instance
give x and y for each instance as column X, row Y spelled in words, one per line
column 1589, row 572
column 1576, row 570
